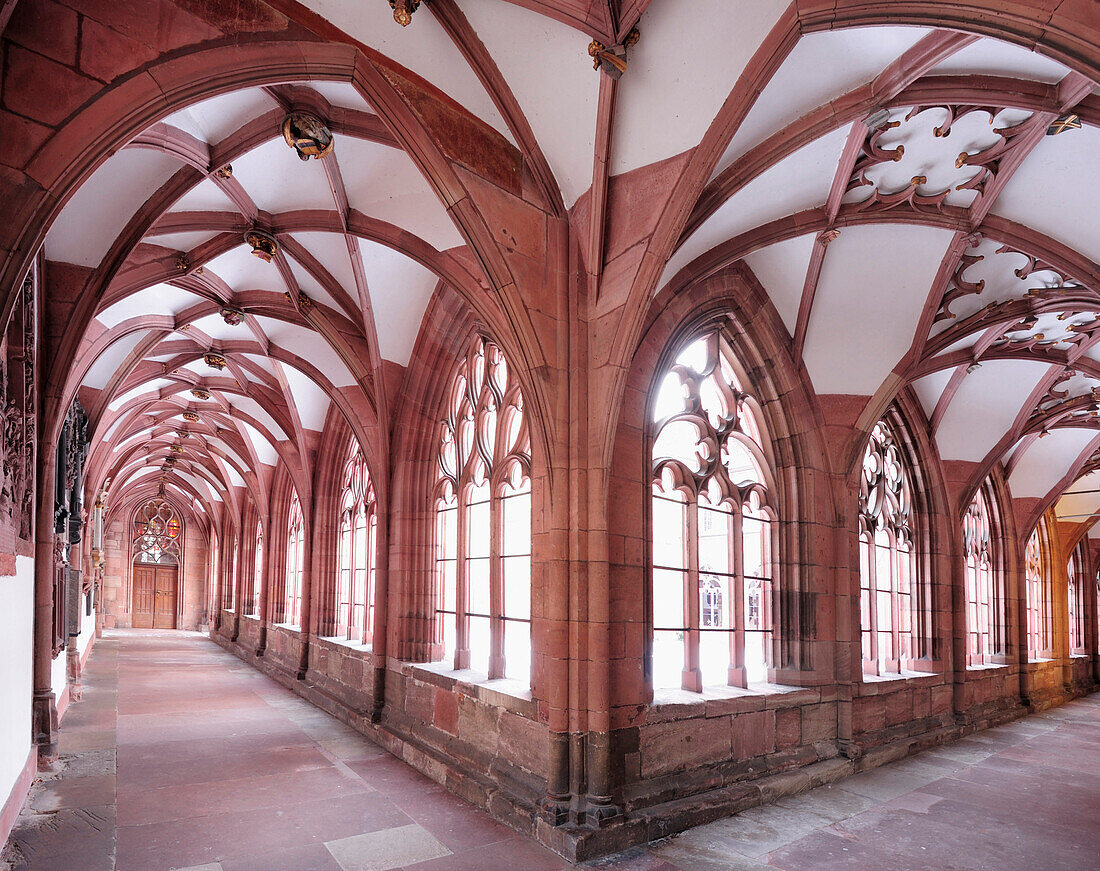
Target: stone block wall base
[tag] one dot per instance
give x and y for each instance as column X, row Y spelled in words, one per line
column 581, row 843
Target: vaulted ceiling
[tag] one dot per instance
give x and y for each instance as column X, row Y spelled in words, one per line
column 895, row 190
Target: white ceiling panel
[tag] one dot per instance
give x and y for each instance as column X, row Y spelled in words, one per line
column 383, row 182
column 822, row 66
column 423, row 46
column 680, row 73
column 870, row 294
column 85, row 230
column 781, row 268
column 1047, row 460
column 800, row 181
column 985, row 406
column 399, row 290
column 559, row 101
column 1057, row 185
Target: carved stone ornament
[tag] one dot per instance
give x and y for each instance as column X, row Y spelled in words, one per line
column 307, row 134
column 263, row 244
column 191, row 416
column 214, row 361
column 612, row 60
column 199, row 393
column 304, row 302
column 232, row 317
column 1063, row 123
column 225, row 172
column 403, row 11
column 182, row 263
column 176, row 449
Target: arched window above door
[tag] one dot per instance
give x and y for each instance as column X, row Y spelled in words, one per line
column 158, row 534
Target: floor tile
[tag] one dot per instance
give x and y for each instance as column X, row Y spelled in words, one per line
column 386, row 849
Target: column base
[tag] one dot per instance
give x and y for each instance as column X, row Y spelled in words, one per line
column 44, row 727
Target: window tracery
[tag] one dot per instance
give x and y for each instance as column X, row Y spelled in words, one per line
column 356, row 556
column 295, row 549
column 483, row 520
column 252, row 600
column 983, row 623
column 713, row 522
column 887, row 564
column 158, row 533
column 1037, row 585
column 1076, row 590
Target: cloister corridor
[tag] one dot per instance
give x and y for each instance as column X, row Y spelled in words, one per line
column 179, row 756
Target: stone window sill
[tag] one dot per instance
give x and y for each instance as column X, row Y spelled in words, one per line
column 289, row 627
column 875, row 684
column 718, row 700
column 513, row 695
column 986, row 666
column 254, row 617
column 339, row 641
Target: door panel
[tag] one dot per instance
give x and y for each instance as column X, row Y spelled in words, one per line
column 166, row 592
column 144, row 596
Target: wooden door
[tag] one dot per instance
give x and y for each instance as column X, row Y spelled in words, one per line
column 144, row 596
column 164, row 615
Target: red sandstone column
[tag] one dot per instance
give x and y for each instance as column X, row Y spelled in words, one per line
column 44, row 706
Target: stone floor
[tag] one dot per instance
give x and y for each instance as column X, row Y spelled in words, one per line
column 180, row 756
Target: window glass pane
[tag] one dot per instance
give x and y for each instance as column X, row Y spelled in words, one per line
column 477, row 571
column 449, row 588
column 714, row 545
column 448, row 626
column 517, row 586
column 516, row 511
column 669, row 520
column 517, row 650
column 668, row 659
column 884, row 569
column 755, row 659
column 668, row 599
column 715, row 603
column 479, row 644
column 754, row 533
column 477, row 522
column 714, row 657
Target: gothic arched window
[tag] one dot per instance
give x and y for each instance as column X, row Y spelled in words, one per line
column 714, row 522
column 356, row 559
column 483, row 520
column 1037, row 584
column 252, row 600
column 1076, row 579
column 295, row 555
column 231, row 576
column 158, row 534
column 984, row 635
column 887, row 560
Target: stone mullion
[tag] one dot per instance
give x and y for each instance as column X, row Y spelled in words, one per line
column 238, row 569
column 462, row 585
column 692, row 678
column 738, row 675
column 496, row 585
column 895, row 610
column 872, row 604
column 265, row 589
